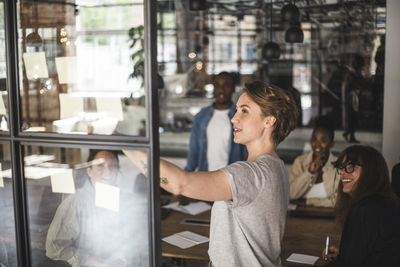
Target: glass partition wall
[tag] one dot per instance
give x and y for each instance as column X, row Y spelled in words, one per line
column 329, row 55
column 77, row 74
column 77, row 78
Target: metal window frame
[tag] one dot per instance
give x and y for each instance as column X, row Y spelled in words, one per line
column 18, row 139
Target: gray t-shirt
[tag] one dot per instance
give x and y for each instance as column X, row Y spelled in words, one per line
column 248, row 230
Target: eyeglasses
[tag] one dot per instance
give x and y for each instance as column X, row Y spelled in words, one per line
column 349, row 168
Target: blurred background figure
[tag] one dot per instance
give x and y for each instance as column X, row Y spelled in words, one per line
column 356, row 83
column 211, row 145
column 85, row 233
column 367, row 210
column 312, row 176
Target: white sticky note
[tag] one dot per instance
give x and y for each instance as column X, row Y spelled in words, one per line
column 3, row 110
column 35, row 65
column 70, row 106
column 66, row 69
column 111, row 106
column 63, row 182
column 107, row 196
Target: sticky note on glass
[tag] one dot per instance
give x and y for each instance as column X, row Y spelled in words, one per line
column 66, row 69
column 70, row 106
column 107, row 196
column 63, row 182
column 1, row 178
column 35, row 65
column 112, row 106
column 3, row 110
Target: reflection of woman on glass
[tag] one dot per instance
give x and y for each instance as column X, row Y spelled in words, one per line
column 85, row 234
column 368, row 211
column 251, row 197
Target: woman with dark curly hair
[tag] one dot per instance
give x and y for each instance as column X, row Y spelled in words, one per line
column 368, row 211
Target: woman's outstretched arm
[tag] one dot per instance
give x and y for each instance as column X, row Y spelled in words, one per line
column 208, row 186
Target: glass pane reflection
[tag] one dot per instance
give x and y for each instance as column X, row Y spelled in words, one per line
column 8, row 254
column 3, row 76
column 77, row 70
column 86, row 208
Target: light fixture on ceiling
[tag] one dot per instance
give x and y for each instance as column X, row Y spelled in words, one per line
column 294, row 34
column 197, row 5
column 33, row 39
column 291, row 14
column 271, row 50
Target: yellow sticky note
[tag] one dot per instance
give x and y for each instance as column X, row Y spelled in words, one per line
column 107, row 196
column 35, row 65
column 66, row 69
column 1, row 178
column 70, row 106
column 63, row 182
column 3, row 110
column 111, row 106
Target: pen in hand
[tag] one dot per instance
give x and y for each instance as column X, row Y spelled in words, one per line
column 326, row 247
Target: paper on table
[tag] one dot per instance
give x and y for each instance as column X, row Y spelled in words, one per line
column 192, row 208
column 185, row 239
column 35, row 65
column 63, row 182
column 302, row 258
column 66, row 68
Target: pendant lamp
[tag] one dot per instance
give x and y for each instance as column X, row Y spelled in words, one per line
column 290, row 14
column 294, row 34
column 33, row 39
column 271, row 50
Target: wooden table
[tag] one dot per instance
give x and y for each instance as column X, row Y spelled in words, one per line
column 307, row 234
column 172, row 225
column 304, row 235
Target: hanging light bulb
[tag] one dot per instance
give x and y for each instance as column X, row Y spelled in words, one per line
column 290, row 13
column 271, row 50
column 33, row 38
column 294, row 35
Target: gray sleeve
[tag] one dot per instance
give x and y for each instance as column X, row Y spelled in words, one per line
column 62, row 234
column 246, row 181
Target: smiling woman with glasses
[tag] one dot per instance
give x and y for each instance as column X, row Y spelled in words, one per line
column 367, row 210
column 348, row 168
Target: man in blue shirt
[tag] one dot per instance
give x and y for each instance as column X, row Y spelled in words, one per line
column 211, row 144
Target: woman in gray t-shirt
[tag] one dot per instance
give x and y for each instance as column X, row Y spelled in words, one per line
column 251, row 197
